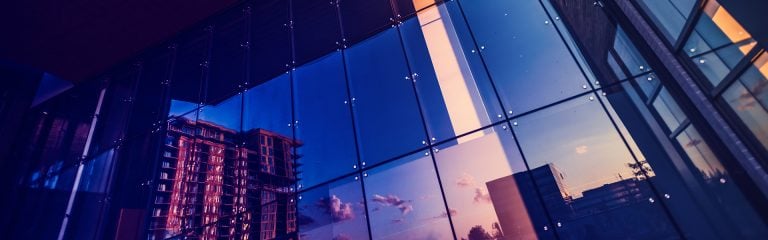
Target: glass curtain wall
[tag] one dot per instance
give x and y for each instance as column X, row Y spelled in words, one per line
column 380, row 119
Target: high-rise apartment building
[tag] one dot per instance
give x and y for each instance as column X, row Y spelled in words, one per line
column 215, row 186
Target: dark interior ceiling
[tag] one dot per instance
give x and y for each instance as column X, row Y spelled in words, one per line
column 79, row 39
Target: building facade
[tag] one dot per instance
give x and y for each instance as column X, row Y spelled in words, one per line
column 408, row 119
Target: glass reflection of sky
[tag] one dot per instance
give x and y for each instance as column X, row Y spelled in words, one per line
column 324, row 121
column 579, row 139
column 521, row 58
column 385, row 109
column 225, row 114
column 333, row 211
column 268, row 106
column 467, row 167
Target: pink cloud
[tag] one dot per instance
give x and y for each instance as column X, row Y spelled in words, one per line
column 465, row 180
column 404, row 206
column 445, row 215
column 339, row 210
column 482, row 196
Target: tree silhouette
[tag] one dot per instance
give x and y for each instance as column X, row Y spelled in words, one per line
column 640, row 169
column 478, row 233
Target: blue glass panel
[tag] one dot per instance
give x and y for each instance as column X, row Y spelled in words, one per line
column 406, row 211
column 333, row 211
column 494, row 192
column 577, row 167
column 447, row 89
column 521, row 58
column 324, row 122
column 225, row 114
column 268, row 107
column 89, row 205
column 385, row 109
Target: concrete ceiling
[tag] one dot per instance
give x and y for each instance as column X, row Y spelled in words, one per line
column 79, row 39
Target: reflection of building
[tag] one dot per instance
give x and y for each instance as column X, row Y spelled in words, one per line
column 210, row 187
column 611, row 211
column 517, row 206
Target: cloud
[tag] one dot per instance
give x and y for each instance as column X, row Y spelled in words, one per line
column 465, row 180
column 482, row 196
column 582, row 149
column 339, row 210
column 445, row 215
column 399, row 220
column 404, row 206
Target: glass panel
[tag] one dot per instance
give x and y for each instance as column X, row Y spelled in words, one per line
column 363, row 18
column 88, row 208
column 333, row 211
column 447, row 90
column 412, row 211
column 629, row 55
column 178, row 186
column 270, row 48
column 223, row 117
column 752, row 113
column 115, row 110
column 150, row 104
column 648, row 84
column 190, row 72
column 717, row 43
column 524, row 53
column 615, row 67
column 316, row 29
column 385, row 108
column 268, row 107
column 668, row 15
column 228, row 54
column 590, row 183
column 741, row 217
column 324, row 122
column 217, row 152
column 494, row 193
column 668, row 109
column 755, row 78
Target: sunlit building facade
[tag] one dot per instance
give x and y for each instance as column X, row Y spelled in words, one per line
column 406, row 119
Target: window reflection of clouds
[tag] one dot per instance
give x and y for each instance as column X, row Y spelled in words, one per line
column 404, row 200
